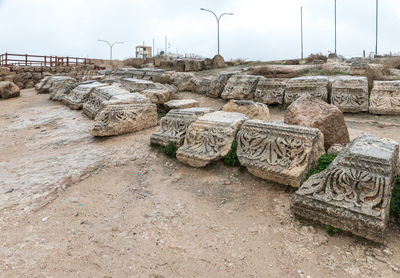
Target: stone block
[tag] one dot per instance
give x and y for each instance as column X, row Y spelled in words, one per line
column 218, row 84
column 253, row 110
column 270, row 90
column 161, row 95
column 138, row 85
column 8, row 90
column 354, row 192
column 350, row 94
column 201, row 85
column 210, row 138
column 60, row 85
column 315, row 86
column 174, row 125
column 240, row 87
column 385, row 98
column 278, row 152
column 181, row 104
column 80, row 94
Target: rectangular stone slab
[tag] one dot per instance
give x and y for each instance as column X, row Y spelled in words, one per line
column 385, row 98
column 270, row 90
column 240, row 87
column 174, row 125
column 209, row 138
column 316, row 86
column 354, row 192
column 278, row 152
column 350, row 94
column 80, row 94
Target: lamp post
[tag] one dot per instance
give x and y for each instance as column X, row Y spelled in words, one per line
column 376, row 29
column 218, row 19
column 335, row 29
column 301, row 31
column 111, row 45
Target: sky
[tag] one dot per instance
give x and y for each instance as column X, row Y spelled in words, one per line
column 258, row 30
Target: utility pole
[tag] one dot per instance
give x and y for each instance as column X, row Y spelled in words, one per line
column 111, row 45
column 301, row 26
column 335, row 29
column 165, row 50
column 218, row 19
column 152, row 49
column 376, row 29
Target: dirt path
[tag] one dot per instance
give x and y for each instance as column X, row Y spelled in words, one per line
column 122, row 209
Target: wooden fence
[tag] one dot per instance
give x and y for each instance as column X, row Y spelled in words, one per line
column 8, row 60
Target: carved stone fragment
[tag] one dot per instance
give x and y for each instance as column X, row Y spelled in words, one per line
column 181, row 104
column 60, row 85
column 354, row 192
column 240, row 87
column 315, row 86
column 98, row 96
column 278, row 152
column 174, row 125
column 138, row 85
column 209, row 138
column 217, row 85
column 270, row 90
column 123, row 114
column 385, row 98
column 80, row 94
column 350, row 94
column 253, row 110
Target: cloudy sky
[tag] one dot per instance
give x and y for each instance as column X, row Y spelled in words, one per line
column 258, row 30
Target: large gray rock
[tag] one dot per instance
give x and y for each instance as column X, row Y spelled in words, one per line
column 209, row 138
column 315, row 86
column 8, row 90
column 218, row 84
column 80, row 94
column 174, row 125
column 278, row 152
column 123, row 114
column 270, row 90
column 253, row 110
column 354, row 192
column 240, row 87
column 350, row 94
column 385, row 98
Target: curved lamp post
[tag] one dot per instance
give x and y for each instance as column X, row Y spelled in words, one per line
column 111, row 45
column 218, row 19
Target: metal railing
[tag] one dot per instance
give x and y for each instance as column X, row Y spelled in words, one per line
column 7, row 60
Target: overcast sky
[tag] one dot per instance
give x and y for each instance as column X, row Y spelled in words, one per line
column 258, row 30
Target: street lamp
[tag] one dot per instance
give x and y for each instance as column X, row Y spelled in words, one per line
column 217, row 18
column 111, row 45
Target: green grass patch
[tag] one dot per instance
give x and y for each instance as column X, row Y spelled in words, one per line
column 331, row 230
column 231, row 158
column 170, row 149
column 395, row 201
column 323, row 163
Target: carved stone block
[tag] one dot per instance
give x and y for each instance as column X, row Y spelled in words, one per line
column 174, row 125
column 80, row 94
column 60, row 85
column 385, row 98
column 217, row 85
column 240, row 87
column 209, row 138
column 315, row 86
column 98, row 96
column 350, row 94
column 278, row 152
column 270, row 90
column 138, row 85
column 181, row 104
column 253, row 110
column 123, row 114
column 354, row 192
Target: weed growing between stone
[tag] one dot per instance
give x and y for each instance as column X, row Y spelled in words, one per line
column 323, row 163
column 331, row 230
column 395, row 201
column 231, row 158
column 170, row 149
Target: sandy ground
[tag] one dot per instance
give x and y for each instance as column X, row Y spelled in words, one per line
column 75, row 206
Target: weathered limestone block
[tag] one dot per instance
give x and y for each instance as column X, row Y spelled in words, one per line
column 210, row 138
column 385, row 98
column 138, row 85
column 240, row 87
column 253, row 110
column 218, row 61
column 315, row 86
column 359, row 68
column 80, row 94
column 161, row 95
column 4, row 71
column 181, row 104
column 217, row 85
column 182, row 80
column 174, row 125
column 61, row 85
column 43, row 86
column 270, row 90
column 123, row 114
column 278, row 152
column 316, row 113
column 354, row 192
column 350, row 94
column 201, row 85
column 8, row 90
column 99, row 95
